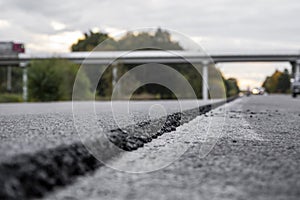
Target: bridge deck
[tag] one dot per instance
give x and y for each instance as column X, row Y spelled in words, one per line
column 137, row 57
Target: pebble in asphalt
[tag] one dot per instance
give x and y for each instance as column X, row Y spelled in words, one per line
column 254, row 158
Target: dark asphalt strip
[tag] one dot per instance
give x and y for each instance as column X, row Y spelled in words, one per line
column 28, row 176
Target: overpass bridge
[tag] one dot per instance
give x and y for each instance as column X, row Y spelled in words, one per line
column 156, row 56
column 150, row 56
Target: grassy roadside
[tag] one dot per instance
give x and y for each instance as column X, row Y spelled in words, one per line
column 10, row 97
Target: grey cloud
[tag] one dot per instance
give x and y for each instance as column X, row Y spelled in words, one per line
column 267, row 21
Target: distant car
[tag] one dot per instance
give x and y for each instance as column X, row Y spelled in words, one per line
column 295, row 87
column 258, row 91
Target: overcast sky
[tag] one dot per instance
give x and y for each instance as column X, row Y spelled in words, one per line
column 217, row 25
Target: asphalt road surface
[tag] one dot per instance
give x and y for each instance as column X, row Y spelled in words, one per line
column 246, row 149
column 30, row 127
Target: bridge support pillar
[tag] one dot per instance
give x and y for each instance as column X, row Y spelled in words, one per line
column 8, row 84
column 25, row 85
column 114, row 75
column 205, row 80
column 297, row 69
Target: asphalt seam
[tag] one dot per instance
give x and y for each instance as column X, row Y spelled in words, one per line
column 32, row 175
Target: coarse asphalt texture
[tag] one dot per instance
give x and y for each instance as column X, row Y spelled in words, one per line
column 254, row 155
column 257, row 156
column 35, row 166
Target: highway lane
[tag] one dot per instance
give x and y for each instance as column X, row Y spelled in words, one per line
column 30, row 127
column 257, row 156
column 40, row 163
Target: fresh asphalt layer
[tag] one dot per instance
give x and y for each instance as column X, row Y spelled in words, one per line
column 256, row 156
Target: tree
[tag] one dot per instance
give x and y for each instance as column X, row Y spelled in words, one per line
column 232, row 87
column 284, row 83
column 159, row 40
column 278, row 82
column 267, row 84
column 53, row 79
column 90, row 41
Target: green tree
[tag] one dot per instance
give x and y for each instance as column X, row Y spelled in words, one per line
column 284, row 83
column 267, row 84
column 53, row 79
column 278, row 82
column 90, row 41
column 232, row 87
column 159, row 40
